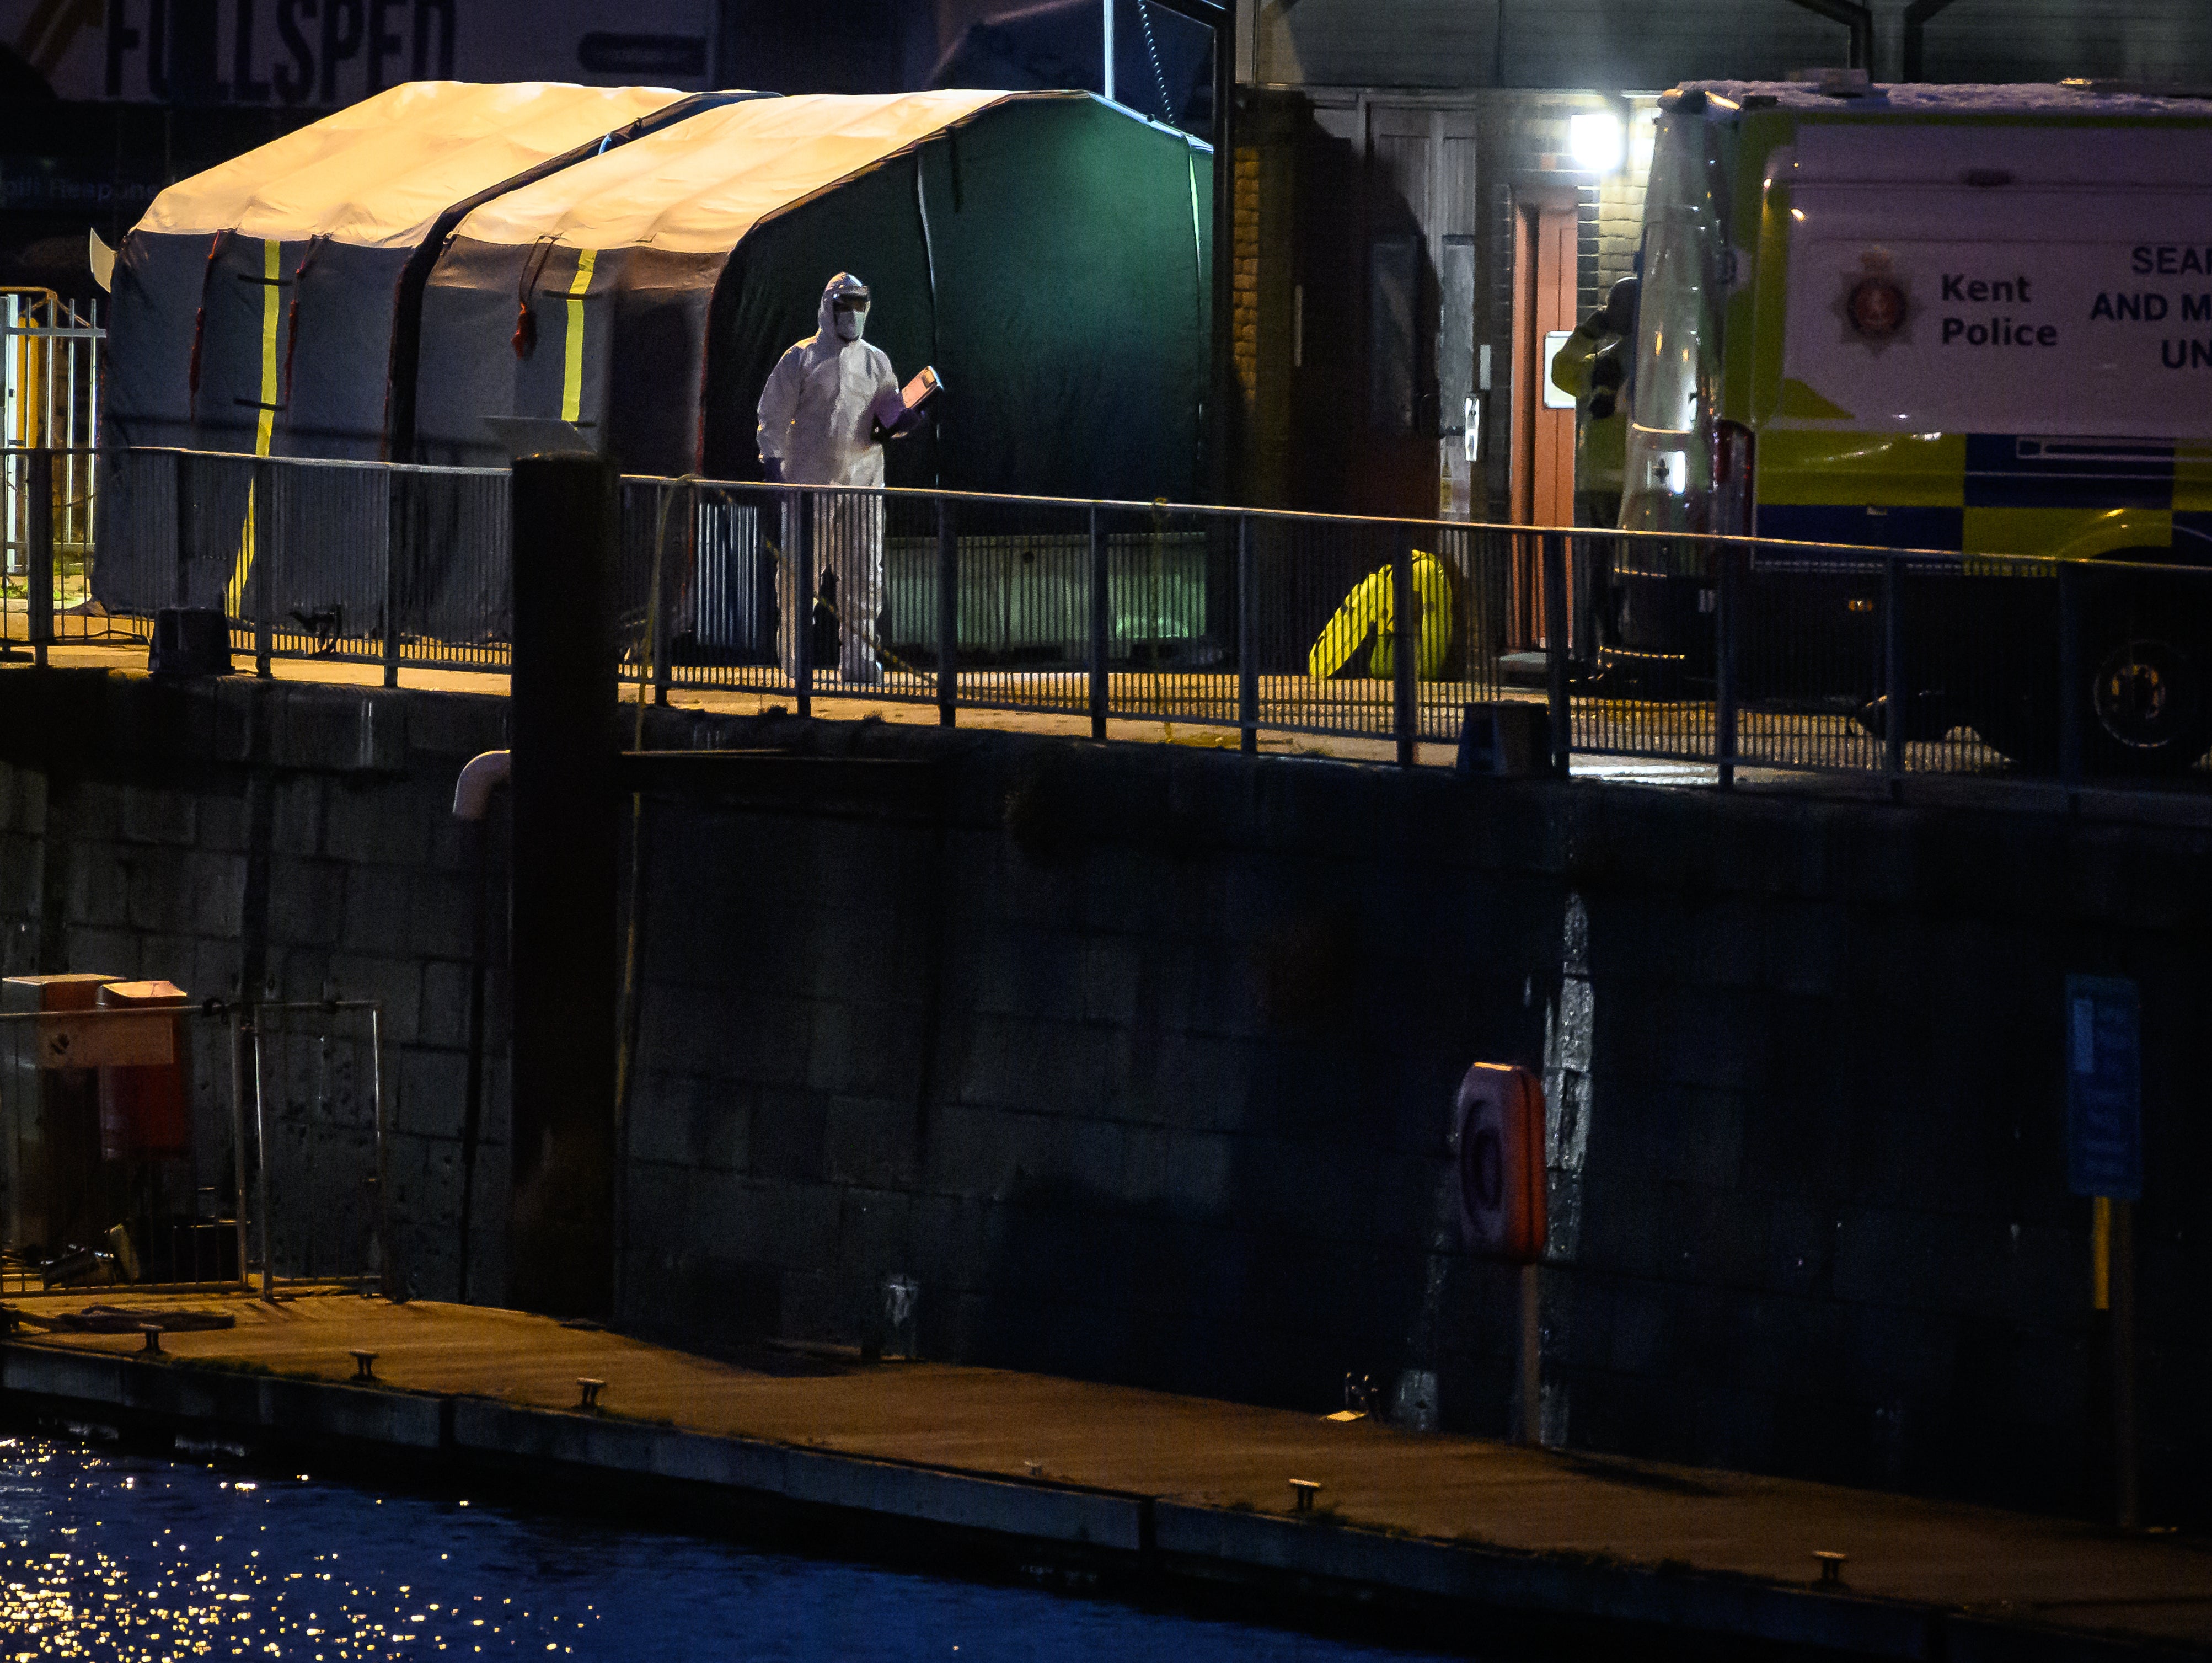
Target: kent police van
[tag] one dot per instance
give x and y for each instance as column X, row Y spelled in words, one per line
column 1971, row 319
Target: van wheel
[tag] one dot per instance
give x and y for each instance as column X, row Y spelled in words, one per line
column 2144, row 696
column 2146, row 699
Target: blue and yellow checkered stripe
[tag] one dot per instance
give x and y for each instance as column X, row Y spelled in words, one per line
column 1988, row 493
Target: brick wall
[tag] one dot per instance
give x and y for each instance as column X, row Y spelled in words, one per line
column 1620, row 203
column 1265, row 332
column 1140, row 1061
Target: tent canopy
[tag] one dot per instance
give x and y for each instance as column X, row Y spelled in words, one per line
column 379, row 173
column 1047, row 253
column 269, row 306
column 260, row 306
column 700, row 189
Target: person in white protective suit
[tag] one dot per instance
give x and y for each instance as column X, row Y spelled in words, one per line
column 819, row 414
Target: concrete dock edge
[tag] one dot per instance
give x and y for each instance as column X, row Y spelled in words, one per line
column 1625, row 1594
column 1320, row 1558
column 816, row 1478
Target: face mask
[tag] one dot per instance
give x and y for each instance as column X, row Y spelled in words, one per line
column 848, row 323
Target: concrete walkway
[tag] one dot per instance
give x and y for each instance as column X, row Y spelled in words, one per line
column 1186, row 1454
column 129, row 658
column 2185, row 801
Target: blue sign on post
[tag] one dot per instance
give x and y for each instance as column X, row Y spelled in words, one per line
column 2103, row 1088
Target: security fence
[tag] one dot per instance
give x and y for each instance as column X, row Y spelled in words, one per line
column 1105, row 611
column 148, row 1141
column 1733, row 654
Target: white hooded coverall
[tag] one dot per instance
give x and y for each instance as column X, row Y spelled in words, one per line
column 818, row 417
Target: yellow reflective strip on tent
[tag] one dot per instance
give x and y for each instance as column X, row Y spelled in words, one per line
column 571, row 370
column 272, row 312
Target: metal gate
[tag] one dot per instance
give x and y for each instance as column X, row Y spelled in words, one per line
column 50, row 362
column 148, row 1140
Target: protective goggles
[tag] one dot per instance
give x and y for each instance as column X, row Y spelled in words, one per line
column 852, row 300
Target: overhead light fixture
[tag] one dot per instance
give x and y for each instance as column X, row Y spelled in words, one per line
column 1597, row 141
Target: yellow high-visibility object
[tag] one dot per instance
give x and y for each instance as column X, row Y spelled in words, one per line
column 1601, row 441
column 233, row 593
column 572, row 371
column 1371, row 611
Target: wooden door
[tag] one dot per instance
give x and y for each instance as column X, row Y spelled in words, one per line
column 1542, row 469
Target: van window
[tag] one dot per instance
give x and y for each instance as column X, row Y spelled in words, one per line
column 1678, row 361
column 1673, row 349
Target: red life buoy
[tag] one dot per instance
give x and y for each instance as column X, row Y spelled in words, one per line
column 1501, row 1161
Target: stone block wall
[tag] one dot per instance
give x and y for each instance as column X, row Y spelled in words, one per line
column 1140, row 1060
column 291, row 841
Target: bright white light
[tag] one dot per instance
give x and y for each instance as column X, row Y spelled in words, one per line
column 1596, row 141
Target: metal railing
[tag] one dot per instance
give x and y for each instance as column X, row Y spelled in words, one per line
column 1239, row 621
column 1731, row 653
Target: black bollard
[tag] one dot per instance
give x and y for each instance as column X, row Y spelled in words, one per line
column 564, row 950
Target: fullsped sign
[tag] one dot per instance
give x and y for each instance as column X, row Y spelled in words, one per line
column 2107, row 335
column 325, row 53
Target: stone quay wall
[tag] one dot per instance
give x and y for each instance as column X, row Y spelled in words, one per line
column 1140, row 1062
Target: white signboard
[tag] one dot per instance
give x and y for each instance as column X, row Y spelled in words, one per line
column 1554, row 397
column 325, row 53
column 2111, row 337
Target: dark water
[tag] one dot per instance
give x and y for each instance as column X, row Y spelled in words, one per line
column 112, row 1555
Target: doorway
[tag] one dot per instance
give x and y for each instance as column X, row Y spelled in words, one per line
column 1418, row 279
column 1545, row 272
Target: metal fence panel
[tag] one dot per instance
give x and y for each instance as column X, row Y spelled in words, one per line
column 263, row 1162
column 1737, row 654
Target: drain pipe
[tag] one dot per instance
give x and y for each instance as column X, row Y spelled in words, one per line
column 471, row 803
column 484, row 775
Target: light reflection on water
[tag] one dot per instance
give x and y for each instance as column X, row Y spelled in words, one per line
column 110, row 1555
